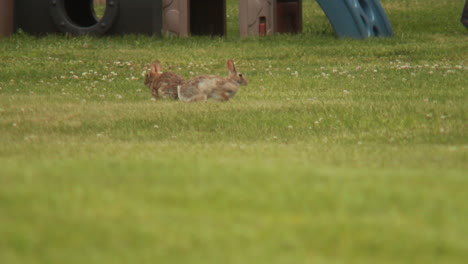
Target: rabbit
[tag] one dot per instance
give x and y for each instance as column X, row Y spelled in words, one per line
column 162, row 84
column 211, row 86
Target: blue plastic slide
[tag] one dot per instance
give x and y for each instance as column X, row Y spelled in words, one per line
column 357, row 18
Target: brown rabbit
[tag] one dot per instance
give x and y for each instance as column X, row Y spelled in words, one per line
column 211, row 86
column 162, row 84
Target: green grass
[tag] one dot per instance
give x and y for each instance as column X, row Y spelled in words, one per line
column 338, row 151
column 99, row 9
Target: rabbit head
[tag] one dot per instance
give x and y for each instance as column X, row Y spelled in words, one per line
column 234, row 76
column 153, row 73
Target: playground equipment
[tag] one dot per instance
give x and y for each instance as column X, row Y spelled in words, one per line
column 350, row 18
column 464, row 18
column 357, row 18
column 265, row 17
column 6, row 17
column 194, row 17
column 41, row 17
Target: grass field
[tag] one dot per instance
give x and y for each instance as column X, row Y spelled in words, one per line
column 338, row 151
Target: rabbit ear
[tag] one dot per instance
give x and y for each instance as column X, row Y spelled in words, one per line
column 232, row 68
column 156, row 67
column 151, row 68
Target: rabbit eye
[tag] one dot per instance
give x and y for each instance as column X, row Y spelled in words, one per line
column 241, row 75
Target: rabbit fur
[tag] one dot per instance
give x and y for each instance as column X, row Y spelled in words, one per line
column 211, row 86
column 162, row 84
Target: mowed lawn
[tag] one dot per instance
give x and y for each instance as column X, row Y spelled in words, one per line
column 338, row 151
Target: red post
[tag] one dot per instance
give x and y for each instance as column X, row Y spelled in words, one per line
column 262, row 27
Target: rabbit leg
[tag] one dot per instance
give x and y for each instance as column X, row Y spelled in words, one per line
column 197, row 98
column 165, row 92
column 225, row 97
column 222, row 97
column 162, row 87
column 154, row 92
